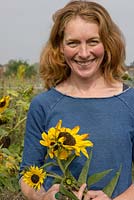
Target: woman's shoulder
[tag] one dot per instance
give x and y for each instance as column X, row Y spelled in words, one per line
column 127, row 96
column 47, row 97
column 128, row 91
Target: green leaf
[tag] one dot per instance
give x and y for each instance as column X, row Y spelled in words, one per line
column 68, row 162
column 13, row 93
column 84, row 172
column 108, row 189
column 65, row 192
column 6, row 151
column 3, row 132
column 97, row 177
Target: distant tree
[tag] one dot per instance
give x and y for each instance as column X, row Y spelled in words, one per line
column 14, row 66
column 30, row 71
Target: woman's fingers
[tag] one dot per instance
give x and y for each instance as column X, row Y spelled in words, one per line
column 80, row 193
column 96, row 195
column 50, row 194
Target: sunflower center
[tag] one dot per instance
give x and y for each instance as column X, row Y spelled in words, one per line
column 69, row 139
column 55, row 146
column 68, row 181
column 52, row 143
column 35, row 178
column 2, row 104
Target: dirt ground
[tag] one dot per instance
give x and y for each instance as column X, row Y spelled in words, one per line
column 11, row 196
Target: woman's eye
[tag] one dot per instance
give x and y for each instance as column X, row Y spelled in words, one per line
column 94, row 42
column 72, row 44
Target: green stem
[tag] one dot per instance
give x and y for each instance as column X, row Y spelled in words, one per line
column 21, row 121
column 55, row 176
column 48, row 164
column 60, row 165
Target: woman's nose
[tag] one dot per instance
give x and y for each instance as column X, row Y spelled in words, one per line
column 84, row 51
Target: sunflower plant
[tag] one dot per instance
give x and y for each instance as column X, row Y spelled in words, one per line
column 63, row 146
column 14, row 105
column 4, row 102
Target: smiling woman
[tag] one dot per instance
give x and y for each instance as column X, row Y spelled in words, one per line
column 82, row 65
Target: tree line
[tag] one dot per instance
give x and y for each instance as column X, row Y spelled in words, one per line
column 19, row 68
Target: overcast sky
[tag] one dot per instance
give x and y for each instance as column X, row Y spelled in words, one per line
column 25, row 26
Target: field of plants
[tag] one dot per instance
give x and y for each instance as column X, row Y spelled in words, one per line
column 15, row 97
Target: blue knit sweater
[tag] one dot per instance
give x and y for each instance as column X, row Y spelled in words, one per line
column 109, row 121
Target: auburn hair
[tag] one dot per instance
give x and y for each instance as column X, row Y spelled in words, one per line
column 54, row 69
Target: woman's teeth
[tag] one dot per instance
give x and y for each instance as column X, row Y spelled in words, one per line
column 84, row 62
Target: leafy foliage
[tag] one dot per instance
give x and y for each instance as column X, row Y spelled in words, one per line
column 12, row 126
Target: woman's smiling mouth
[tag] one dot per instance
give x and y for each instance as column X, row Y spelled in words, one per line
column 84, row 62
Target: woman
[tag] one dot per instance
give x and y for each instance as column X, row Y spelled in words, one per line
column 82, row 67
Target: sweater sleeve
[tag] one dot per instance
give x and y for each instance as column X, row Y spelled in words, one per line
column 128, row 100
column 34, row 152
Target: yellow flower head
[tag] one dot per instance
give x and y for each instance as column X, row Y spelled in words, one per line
column 4, row 102
column 34, row 177
column 62, row 141
column 54, row 142
column 74, row 141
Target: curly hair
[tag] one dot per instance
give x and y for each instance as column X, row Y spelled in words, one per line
column 54, row 69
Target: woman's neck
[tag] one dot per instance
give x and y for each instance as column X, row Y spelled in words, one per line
column 89, row 88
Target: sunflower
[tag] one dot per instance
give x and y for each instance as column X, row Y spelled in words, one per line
column 54, row 142
column 4, row 102
column 76, row 142
column 34, row 177
column 62, row 141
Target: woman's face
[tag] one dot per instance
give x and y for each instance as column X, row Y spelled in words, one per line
column 82, row 48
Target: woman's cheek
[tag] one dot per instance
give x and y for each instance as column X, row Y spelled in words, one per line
column 99, row 50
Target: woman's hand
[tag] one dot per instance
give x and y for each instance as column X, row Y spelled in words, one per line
column 81, row 195
column 50, row 194
column 96, row 195
column 91, row 194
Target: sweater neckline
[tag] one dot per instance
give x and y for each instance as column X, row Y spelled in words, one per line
column 125, row 89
